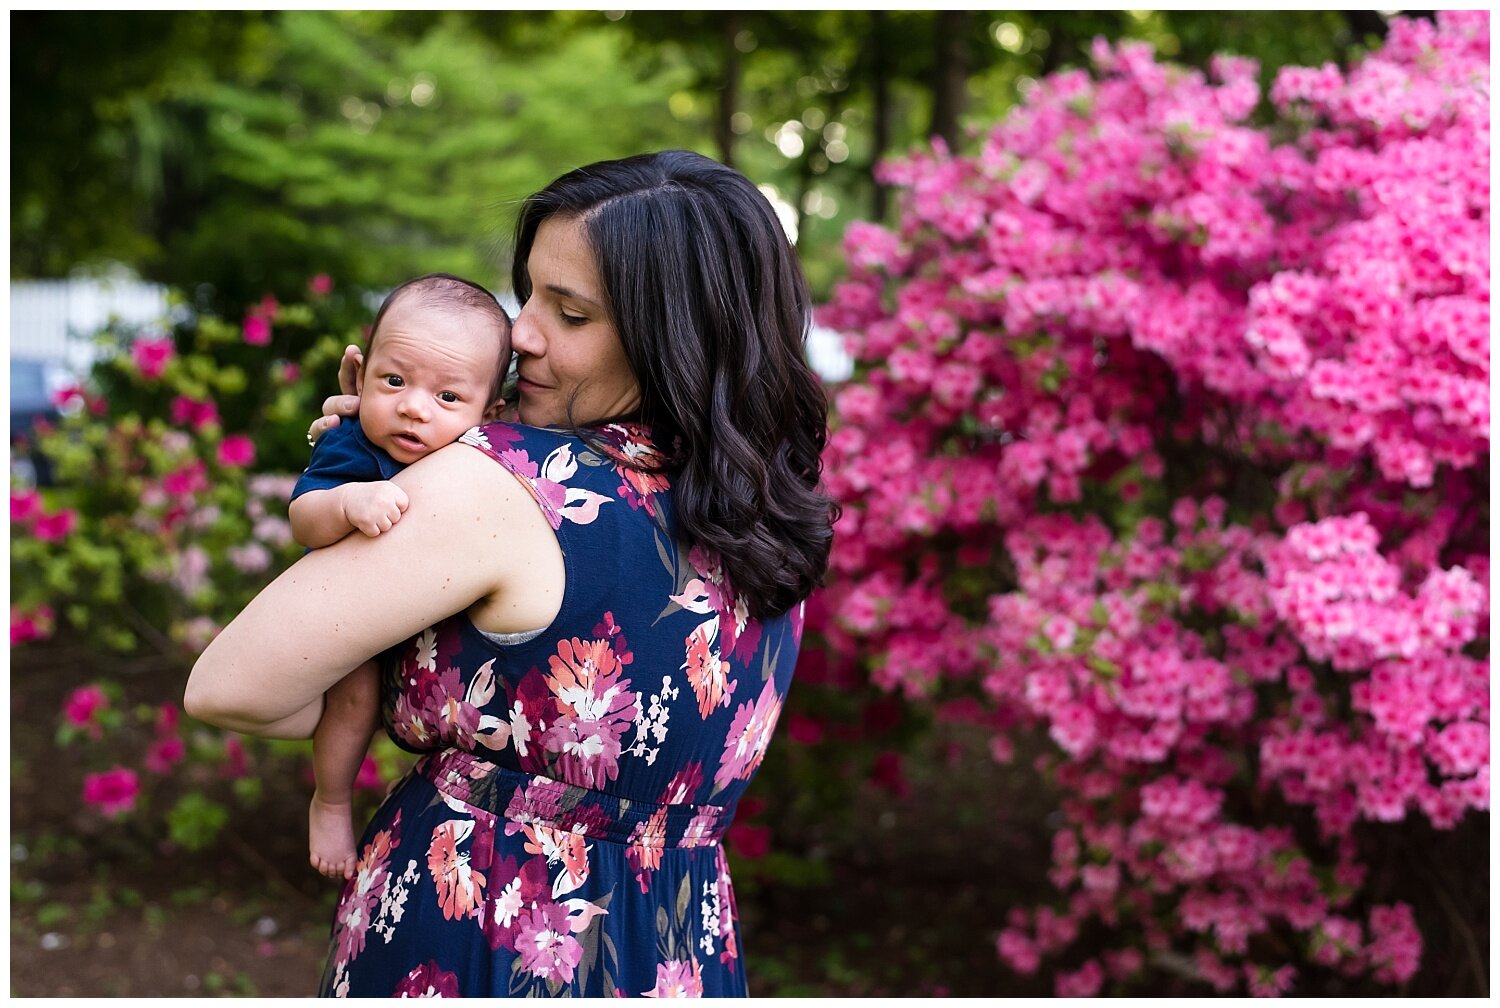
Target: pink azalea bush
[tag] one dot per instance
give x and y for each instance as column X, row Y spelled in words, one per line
column 1171, row 441
column 167, row 515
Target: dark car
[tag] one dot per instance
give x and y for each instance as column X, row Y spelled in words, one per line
column 33, row 386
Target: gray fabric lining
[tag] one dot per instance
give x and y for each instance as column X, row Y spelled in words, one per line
column 510, row 639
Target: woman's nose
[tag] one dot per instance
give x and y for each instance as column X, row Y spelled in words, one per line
column 525, row 337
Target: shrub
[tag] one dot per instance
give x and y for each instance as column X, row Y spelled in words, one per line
column 1172, row 440
column 173, row 465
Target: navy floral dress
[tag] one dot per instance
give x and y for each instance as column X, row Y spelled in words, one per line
column 561, row 833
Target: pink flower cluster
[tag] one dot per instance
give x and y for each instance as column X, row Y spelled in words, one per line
column 1170, row 438
column 30, row 513
column 257, row 325
column 151, row 355
column 113, row 792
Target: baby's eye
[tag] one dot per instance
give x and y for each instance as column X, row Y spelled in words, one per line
column 448, row 397
column 394, row 381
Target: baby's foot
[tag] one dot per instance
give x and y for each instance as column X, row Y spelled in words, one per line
column 330, row 837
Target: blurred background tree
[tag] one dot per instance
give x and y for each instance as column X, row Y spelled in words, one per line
column 235, row 153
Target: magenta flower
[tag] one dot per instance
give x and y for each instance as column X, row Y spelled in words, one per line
column 320, row 285
column 257, row 331
column 188, row 480
column 26, row 627
column 83, row 703
column 236, row 765
column 165, row 753
column 24, row 504
column 192, row 412
column 749, row 841
column 151, row 356
column 113, row 792
column 55, row 527
column 368, row 777
column 236, row 451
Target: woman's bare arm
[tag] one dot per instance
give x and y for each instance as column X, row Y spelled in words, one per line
column 471, row 534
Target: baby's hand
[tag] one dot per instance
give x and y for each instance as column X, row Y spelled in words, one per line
column 374, row 507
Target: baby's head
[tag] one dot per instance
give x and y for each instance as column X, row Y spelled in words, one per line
column 438, row 355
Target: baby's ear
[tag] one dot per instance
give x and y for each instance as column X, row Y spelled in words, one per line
column 494, row 411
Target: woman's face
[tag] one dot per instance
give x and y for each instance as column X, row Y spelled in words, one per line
column 566, row 345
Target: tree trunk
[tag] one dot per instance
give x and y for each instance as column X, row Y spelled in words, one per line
column 729, row 93
column 950, row 74
column 1364, row 23
column 880, row 88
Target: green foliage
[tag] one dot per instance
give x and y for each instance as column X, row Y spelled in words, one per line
column 231, row 153
column 195, row 821
column 169, row 509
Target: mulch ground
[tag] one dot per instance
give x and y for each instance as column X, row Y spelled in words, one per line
column 893, row 897
column 891, row 905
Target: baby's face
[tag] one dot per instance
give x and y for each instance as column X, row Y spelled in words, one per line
column 428, row 377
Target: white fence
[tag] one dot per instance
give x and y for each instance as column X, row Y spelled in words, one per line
column 51, row 320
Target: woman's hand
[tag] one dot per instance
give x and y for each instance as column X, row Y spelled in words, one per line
column 346, row 404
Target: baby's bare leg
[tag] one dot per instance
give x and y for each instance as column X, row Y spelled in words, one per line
column 351, row 713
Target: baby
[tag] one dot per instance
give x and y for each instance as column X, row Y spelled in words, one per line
column 438, row 355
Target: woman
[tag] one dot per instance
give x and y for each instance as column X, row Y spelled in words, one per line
column 594, row 613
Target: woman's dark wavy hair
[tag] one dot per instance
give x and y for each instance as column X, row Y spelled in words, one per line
column 713, row 311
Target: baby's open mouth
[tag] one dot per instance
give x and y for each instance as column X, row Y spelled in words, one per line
column 410, row 442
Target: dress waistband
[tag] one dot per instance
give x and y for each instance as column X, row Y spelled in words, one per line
column 528, row 798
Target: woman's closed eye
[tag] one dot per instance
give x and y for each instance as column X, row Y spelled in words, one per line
column 573, row 320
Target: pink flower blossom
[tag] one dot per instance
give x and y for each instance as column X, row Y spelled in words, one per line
column 236, row 451
column 1084, row 982
column 69, row 397
column 24, row 505
column 257, row 331
column 29, row 626
column 321, row 285
column 192, row 413
column 151, row 356
column 1022, row 515
column 113, row 792
column 55, row 527
column 368, row 778
column 165, row 753
column 236, row 765
column 82, row 704
column 749, row 840
column 1395, row 947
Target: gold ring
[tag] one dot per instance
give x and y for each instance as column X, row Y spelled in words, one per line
column 310, row 440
